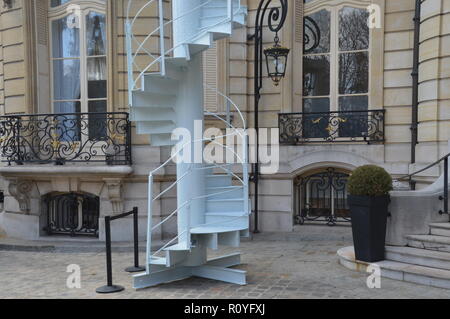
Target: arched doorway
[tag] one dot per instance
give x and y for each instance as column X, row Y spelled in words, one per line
column 321, row 197
column 72, row 214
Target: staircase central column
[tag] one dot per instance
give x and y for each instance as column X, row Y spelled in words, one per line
column 190, row 110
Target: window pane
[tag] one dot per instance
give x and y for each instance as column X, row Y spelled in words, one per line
column 316, row 75
column 56, row 3
column 353, row 124
column 96, row 74
column 66, row 79
column 315, row 125
column 67, row 107
column 65, row 38
column 68, row 127
column 317, row 42
column 353, row 29
column 97, row 122
column 316, row 105
column 353, row 73
column 95, row 34
column 354, row 103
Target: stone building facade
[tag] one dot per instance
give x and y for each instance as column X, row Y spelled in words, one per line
column 314, row 91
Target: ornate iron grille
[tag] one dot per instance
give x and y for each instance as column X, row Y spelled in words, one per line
column 323, row 197
column 62, row 138
column 72, row 214
column 343, row 126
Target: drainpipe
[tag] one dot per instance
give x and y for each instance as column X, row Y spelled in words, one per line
column 415, row 78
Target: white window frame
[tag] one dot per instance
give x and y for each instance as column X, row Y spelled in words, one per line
column 334, row 8
column 62, row 11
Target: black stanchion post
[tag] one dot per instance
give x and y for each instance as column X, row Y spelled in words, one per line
column 109, row 288
column 136, row 267
column 446, row 185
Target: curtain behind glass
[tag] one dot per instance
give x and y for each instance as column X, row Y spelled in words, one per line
column 66, row 65
column 66, row 77
column 96, row 74
column 96, row 46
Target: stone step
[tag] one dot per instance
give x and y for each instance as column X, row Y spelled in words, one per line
column 420, row 257
column 440, row 229
column 431, row 242
column 398, row 271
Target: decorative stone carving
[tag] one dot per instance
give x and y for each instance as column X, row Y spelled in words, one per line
column 21, row 191
column 115, row 194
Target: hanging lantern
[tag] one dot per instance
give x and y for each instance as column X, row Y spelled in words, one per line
column 276, row 59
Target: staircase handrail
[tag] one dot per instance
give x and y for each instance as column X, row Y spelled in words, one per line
column 132, row 83
column 130, row 35
column 162, row 56
column 152, row 199
column 182, row 148
column 410, row 176
column 445, row 196
column 228, row 99
column 165, row 25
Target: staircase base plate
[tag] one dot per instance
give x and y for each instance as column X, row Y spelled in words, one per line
column 215, row 269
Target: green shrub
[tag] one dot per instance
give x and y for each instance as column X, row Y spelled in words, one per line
column 370, row 180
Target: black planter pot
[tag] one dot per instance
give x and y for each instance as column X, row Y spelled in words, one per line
column 369, row 218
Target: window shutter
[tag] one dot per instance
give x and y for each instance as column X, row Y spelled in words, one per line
column 299, row 38
column 41, row 22
column 2, row 84
column 43, row 62
column 299, row 21
column 210, row 78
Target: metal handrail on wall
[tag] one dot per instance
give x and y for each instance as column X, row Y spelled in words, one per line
column 410, row 177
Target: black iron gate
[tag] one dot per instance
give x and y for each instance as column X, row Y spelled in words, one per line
column 322, row 197
column 72, row 214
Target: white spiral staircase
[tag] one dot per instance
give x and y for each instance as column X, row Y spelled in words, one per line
column 213, row 204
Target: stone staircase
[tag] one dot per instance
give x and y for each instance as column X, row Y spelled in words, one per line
column 425, row 260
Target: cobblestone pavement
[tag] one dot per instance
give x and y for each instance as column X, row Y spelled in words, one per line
column 296, row 265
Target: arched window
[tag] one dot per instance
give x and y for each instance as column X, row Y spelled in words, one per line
column 78, row 56
column 73, row 214
column 321, row 196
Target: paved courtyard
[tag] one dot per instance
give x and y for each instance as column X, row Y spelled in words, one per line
column 302, row 264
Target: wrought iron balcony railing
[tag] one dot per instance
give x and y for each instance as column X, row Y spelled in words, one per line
column 331, row 127
column 65, row 138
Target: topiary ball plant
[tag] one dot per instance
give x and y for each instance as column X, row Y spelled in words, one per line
column 370, row 180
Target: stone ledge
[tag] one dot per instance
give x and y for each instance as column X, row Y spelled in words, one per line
column 69, row 245
column 36, row 170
